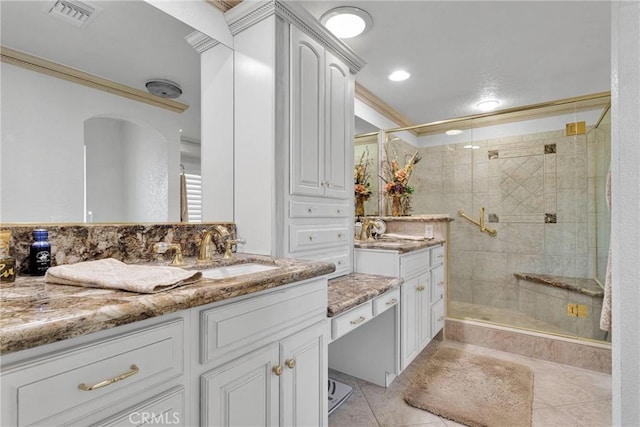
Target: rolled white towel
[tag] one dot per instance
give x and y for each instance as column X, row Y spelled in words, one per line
column 110, row 273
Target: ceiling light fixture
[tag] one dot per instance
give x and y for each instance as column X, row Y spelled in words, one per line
column 346, row 22
column 163, row 88
column 452, row 132
column 399, row 75
column 487, row 104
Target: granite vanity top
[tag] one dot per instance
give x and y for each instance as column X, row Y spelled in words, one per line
column 398, row 245
column 584, row 286
column 417, row 218
column 353, row 289
column 34, row 313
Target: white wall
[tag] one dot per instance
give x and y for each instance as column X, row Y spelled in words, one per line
column 625, row 231
column 42, row 144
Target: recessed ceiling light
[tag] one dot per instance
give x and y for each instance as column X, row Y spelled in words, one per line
column 487, row 104
column 451, row 132
column 399, row 75
column 346, row 22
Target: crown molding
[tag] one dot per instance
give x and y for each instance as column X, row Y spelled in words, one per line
column 44, row 66
column 249, row 13
column 368, row 97
column 200, row 42
column 224, row 5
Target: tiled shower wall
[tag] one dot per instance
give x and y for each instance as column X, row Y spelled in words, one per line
column 538, row 195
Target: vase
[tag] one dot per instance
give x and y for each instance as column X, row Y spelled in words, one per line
column 359, row 205
column 396, row 206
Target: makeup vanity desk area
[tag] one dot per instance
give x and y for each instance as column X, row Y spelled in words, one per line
column 385, row 344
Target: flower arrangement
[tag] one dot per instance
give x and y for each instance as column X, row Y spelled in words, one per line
column 361, row 176
column 397, row 178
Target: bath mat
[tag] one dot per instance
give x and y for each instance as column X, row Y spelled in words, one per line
column 473, row 390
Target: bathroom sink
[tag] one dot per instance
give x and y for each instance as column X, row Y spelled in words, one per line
column 235, row 270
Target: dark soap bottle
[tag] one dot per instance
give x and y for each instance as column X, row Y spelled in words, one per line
column 39, row 253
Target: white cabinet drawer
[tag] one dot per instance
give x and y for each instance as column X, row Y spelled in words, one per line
column 348, row 321
column 298, row 209
column 437, row 317
column 50, row 391
column 306, row 237
column 338, row 256
column 437, row 283
column 386, row 301
column 437, row 255
column 164, row 409
column 414, row 263
column 238, row 328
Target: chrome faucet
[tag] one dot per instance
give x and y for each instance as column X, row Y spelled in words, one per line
column 205, row 254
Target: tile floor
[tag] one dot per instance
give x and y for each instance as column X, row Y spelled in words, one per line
column 563, row 396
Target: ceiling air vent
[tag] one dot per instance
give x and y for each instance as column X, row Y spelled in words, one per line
column 74, row 12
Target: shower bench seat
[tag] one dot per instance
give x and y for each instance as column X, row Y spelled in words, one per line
column 581, row 285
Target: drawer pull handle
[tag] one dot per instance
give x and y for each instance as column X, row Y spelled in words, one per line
column 133, row 370
column 393, row 301
column 358, row 320
column 420, row 288
column 441, row 283
column 440, row 319
column 277, row 370
column 291, row 363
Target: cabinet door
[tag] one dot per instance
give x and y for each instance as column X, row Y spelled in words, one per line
column 409, row 322
column 338, row 129
column 307, row 115
column 243, row 392
column 304, row 380
column 424, row 309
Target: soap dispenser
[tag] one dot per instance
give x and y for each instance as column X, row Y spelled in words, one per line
column 39, row 253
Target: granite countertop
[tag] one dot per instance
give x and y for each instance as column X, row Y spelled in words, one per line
column 418, row 218
column 398, row 245
column 33, row 312
column 581, row 285
column 352, row 290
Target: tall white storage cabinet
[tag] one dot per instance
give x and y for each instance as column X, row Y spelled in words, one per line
column 293, row 157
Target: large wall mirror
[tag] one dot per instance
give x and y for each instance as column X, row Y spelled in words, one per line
column 74, row 153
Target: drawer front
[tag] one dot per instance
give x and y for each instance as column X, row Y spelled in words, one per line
column 139, row 360
column 437, row 283
column 237, row 328
column 437, row 255
column 414, row 263
column 165, row 409
column 437, row 317
column 348, row 321
column 386, row 301
column 338, row 257
column 298, row 209
column 308, row 237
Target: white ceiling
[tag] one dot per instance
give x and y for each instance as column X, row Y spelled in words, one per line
column 522, row 52
column 458, row 52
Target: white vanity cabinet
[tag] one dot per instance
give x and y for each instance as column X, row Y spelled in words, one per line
column 296, row 117
column 259, row 359
column 263, row 361
column 99, row 382
column 422, row 301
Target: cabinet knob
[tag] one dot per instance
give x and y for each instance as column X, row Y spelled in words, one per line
column 340, row 235
column 440, row 319
column 291, row 363
column 441, row 283
column 277, row 370
column 393, row 301
column 309, row 210
column 310, row 238
column 339, row 211
column 420, row 288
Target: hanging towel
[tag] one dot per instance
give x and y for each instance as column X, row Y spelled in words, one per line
column 184, row 208
column 605, row 314
column 113, row 274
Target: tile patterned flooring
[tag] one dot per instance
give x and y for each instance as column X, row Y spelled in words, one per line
column 563, row 395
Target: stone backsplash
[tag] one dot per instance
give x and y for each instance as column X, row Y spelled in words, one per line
column 126, row 242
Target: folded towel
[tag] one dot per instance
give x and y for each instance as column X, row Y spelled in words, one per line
column 403, row 236
column 113, row 274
